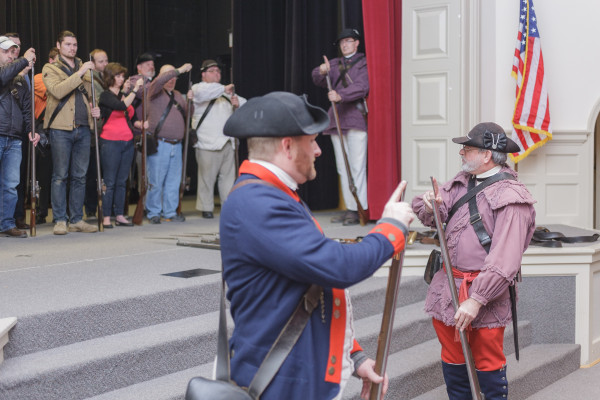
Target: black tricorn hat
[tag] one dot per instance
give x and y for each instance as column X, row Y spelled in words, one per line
column 488, row 136
column 347, row 33
column 276, row 114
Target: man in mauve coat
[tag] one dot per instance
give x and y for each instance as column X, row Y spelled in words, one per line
column 350, row 87
column 483, row 278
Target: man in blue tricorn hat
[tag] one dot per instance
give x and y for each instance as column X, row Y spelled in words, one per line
column 273, row 250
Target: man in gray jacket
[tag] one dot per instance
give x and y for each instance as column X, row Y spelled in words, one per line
column 15, row 113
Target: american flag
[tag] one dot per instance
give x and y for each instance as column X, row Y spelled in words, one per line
column 531, row 120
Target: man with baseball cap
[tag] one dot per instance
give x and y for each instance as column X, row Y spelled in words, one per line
column 350, row 86
column 487, row 236
column 273, row 250
column 215, row 153
column 15, row 121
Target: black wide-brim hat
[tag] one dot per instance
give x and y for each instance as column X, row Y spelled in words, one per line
column 143, row 58
column 347, row 33
column 488, row 136
column 276, row 114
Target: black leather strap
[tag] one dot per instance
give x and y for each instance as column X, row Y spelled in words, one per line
column 164, row 115
column 543, row 237
column 208, row 107
column 284, row 343
column 475, row 219
column 472, row 192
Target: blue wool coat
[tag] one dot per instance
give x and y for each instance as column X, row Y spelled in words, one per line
column 272, row 251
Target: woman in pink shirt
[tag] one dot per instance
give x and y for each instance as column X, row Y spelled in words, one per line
column 116, row 141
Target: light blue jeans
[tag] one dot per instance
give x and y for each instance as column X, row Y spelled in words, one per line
column 164, row 178
column 10, row 173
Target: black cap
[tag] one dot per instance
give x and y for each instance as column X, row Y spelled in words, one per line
column 488, row 136
column 143, row 58
column 276, row 114
column 347, row 33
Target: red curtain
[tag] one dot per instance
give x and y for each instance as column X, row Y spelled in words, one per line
column 383, row 34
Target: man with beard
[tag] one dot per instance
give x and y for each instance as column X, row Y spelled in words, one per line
column 273, row 250
column 485, row 251
column 166, row 117
column 100, row 60
column 68, row 116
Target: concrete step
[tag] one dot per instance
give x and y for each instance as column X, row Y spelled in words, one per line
column 417, row 369
column 168, row 299
column 540, row 365
column 168, row 387
column 581, row 384
column 93, row 366
column 98, row 365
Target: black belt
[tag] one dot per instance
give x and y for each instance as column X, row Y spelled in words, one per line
column 171, row 141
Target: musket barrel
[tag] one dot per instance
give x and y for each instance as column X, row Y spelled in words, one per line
column 34, row 185
column 361, row 211
column 473, row 380
column 97, row 149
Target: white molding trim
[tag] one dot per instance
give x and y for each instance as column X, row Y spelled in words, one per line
column 471, row 65
column 6, row 325
column 571, row 136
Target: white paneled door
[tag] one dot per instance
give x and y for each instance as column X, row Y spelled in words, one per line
column 431, row 91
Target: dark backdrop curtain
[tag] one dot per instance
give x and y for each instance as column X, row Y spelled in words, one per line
column 382, row 19
column 276, row 45
column 117, row 26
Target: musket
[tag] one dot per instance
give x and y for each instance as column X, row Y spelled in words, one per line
column 361, row 212
column 236, row 141
column 471, row 372
column 387, row 322
column 99, row 181
column 33, row 186
column 186, row 140
column 138, row 215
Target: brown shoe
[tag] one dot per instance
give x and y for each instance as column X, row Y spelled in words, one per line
column 20, row 223
column 14, row 232
column 351, row 218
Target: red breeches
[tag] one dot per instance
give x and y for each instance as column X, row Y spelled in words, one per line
column 486, row 345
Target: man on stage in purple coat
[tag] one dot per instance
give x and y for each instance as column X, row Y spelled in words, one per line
column 350, row 84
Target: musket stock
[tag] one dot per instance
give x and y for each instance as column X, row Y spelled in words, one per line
column 362, row 215
column 473, row 380
column 34, row 187
column 99, row 182
column 186, row 141
column 138, row 215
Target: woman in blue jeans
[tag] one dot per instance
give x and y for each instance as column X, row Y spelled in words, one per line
column 116, row 141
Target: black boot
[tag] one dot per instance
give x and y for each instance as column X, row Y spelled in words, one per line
column 493, row 384
column 457, row 381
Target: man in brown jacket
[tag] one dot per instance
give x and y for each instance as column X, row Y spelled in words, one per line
column 69, row 117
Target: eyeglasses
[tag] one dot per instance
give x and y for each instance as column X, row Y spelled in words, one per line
column 466, row 149
column 347, row 40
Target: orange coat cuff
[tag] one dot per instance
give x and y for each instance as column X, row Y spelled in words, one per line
column 392, row 233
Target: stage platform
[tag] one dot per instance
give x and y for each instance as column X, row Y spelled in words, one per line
column 128, row 314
